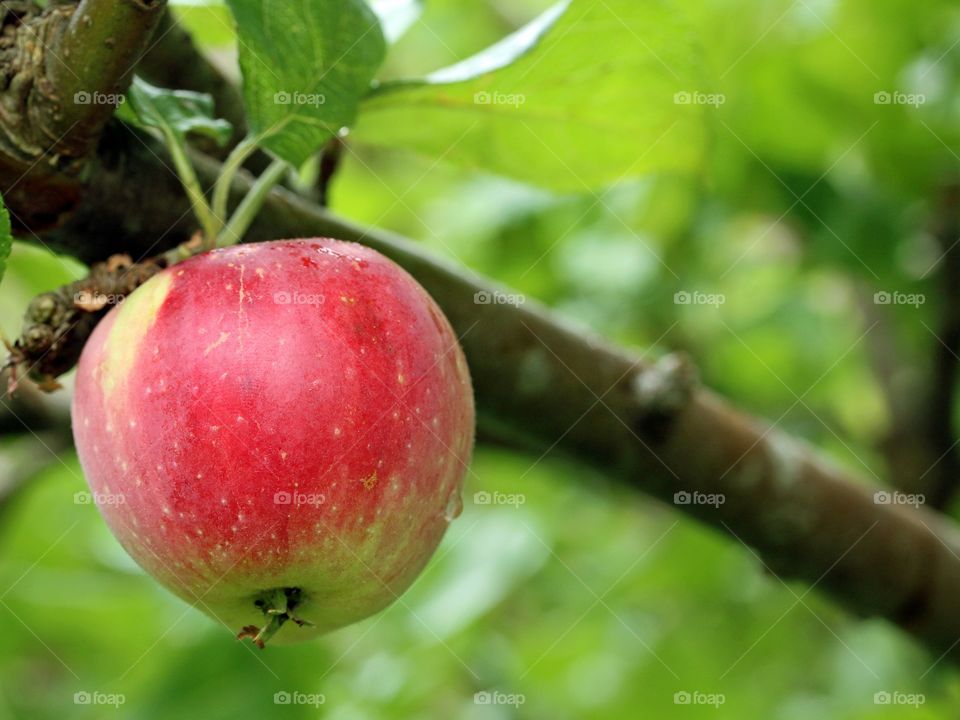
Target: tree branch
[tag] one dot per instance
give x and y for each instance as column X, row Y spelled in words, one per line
column 560, row 388
column 62, row 73
column 95, row 52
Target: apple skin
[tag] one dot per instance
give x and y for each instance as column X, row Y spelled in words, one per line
column 275, row 416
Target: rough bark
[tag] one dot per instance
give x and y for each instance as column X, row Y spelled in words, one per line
column 57, row 324
column 63, row 71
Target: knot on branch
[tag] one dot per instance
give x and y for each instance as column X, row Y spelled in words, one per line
column 664, row 388
column 57, row 324
column 63, row 72
column 30, row 103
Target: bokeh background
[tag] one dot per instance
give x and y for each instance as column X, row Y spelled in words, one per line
column 583, row 599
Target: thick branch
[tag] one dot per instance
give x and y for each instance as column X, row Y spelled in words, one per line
column 58, row 323
column 556, row 386
column 94, row 54
column 62, row 73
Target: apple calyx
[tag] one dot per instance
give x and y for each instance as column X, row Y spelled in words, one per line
column 277, row 606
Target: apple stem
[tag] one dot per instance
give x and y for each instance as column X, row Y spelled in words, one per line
column 277, row 606
column 248, row 208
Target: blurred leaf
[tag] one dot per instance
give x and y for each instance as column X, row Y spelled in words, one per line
column 305, row 66
column 589, row 599
column 396, row 16
column 178, row 111
column 6, row 237
column 504, row 52
column 208, row 21
column 581, row 97
column 501, row 553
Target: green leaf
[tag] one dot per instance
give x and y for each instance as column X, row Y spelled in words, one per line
column 209, row 22
column 396, row 16
column 582, row 97
column 305, row 64
column 6, row 237
column 505, row 52
column 178, row 111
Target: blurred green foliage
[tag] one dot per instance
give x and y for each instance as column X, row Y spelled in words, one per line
column 587, row 600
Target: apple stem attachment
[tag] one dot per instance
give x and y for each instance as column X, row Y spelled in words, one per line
column 277, row 606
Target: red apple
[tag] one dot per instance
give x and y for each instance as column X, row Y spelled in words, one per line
column 277, row 432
